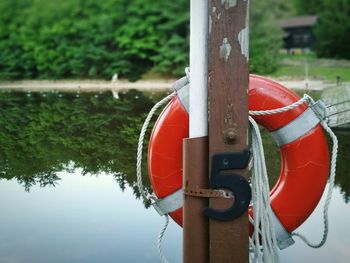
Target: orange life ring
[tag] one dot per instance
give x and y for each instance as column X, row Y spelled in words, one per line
column 304, row 160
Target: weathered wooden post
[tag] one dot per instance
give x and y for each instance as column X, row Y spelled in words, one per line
column 228, row 79
column 218, row 62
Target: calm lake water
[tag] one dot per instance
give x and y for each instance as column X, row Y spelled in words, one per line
column 68, row 185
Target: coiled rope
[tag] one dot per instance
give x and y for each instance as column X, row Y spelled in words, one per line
column 309, row 100
column 263, row 243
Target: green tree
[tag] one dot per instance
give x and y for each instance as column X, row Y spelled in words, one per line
column 308, row 7
column 333, row 29
column 155, row 36
column 95, row 39
column 265, row 37
column 278, row 9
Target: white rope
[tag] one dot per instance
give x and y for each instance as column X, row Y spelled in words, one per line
column 305, row 98
column 329, row 193
column 160, row 239
column 263, row 241
column 144, row 194
column 261, row 203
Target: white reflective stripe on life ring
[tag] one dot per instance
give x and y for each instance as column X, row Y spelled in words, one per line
column 283, row 237
column 296, row 128
column 182, row 88
column 169, row 203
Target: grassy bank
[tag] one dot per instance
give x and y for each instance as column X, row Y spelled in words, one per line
column 315, row 72
column 293, row 67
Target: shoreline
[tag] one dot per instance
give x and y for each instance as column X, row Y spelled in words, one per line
column 85, row 85
column 122, row 85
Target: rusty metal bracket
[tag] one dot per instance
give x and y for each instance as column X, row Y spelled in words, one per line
column 208, row 193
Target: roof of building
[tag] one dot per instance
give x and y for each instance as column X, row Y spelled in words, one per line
column 300, row 21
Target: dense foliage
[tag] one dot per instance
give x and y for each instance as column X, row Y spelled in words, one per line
column 333, row 29
column 42, row 39
column 76, row 38
column 94, row 39
column 308, row 7
column 333, row 26
column 266, row 35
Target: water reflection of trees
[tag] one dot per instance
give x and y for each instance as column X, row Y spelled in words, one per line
column 342, row 178
column 44, row 133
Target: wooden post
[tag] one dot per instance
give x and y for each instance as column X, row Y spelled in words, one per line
column 228, row 77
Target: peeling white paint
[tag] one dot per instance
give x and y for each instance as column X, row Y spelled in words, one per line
column 229, row 3
column 225, row 49
column 243, row 38
column 213, row 10
column 219, row 16
column 210, row 24
column 247, row 18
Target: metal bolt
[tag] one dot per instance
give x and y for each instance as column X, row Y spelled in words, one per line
column 230, row 135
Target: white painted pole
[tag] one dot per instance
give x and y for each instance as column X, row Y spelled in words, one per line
column 199, row 69
column 195, row 149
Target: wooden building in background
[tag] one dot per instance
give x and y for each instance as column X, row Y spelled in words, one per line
column 298, row 33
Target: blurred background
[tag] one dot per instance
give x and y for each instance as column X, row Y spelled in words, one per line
column 77, row 39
